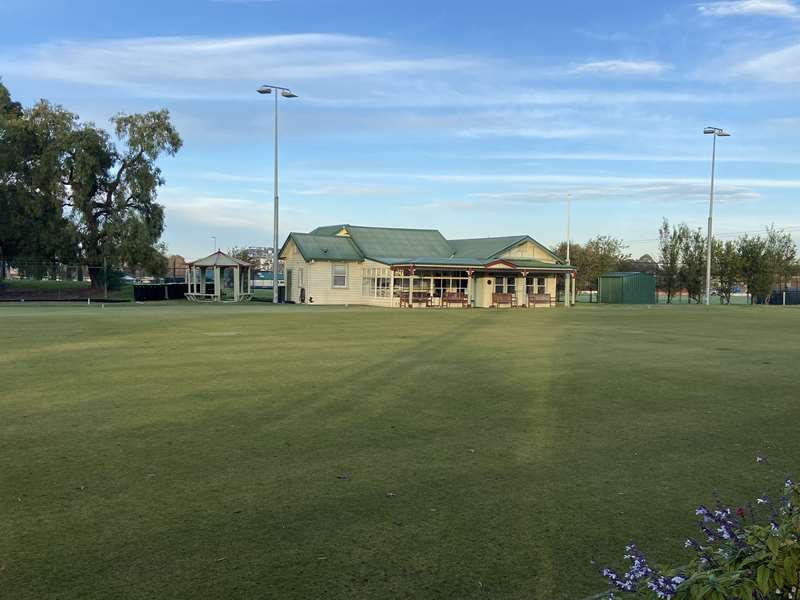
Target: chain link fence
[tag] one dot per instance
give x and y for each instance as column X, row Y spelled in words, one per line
column 38, row 280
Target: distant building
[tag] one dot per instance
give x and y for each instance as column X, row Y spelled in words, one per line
column 176, row 267
column 262, row 257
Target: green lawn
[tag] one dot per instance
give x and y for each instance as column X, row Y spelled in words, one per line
column 192, row 451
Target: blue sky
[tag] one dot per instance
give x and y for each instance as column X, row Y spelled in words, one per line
column 476, row 118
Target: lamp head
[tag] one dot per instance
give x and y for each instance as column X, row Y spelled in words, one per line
column 716, row 131
column 288, row 94
column 264, row 89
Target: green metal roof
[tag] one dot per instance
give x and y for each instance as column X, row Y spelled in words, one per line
column 393, row 246
column 384, row 241
column 485, row 247
column 530, row 263
column 492, row 247
column 327, row 230
column 324, row 247
column 429, row 260
column 621, row 274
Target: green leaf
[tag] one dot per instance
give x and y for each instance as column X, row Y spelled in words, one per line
column 773, row 544
column 762, row 578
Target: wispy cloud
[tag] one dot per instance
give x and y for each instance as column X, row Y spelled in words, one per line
column 213, row 67
column 779, row 66
column 768, row 8
column 353, row 191
column 642, row 192
column 553, row 132
column 622, row 67
column 220, row 211
column 572, row 180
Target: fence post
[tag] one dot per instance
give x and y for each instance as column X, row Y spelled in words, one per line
column 105, row 277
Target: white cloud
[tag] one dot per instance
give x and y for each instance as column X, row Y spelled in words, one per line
column 219, row 67
column 769, row 8
column 327, row 70
column 553, row 132
column 622, row 67
column 779, row 66
column 572, row 180
column 648, row 191
column 352, row 191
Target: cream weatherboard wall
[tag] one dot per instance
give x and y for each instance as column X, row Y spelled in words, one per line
column 316, row 277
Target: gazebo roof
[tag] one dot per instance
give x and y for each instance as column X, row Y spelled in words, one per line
column 219, row 259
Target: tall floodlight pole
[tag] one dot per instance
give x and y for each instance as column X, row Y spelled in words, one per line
column 568, row 283
column 716, row 132
column 569, row 243
column 286, row 93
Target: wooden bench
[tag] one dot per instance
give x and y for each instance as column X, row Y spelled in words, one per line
column 499, row 298
column 458, row 298
column 416, row 298
column 541, row 299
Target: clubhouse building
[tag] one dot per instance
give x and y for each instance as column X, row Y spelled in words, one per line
column 381, row 266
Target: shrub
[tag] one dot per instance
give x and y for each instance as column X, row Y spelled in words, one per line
column 748, row 553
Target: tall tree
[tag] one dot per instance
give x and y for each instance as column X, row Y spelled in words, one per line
column 599, row 255
column 755, row 266
column 114, row 190
column 781, row 253
column 34, row 230
column 670, row 243
column 726, row 269
column 73, row 193
column 692, row 272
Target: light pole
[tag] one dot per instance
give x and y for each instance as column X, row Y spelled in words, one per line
column 286, row 93
column 568, row 279
column 716, row 132
column 569, row 200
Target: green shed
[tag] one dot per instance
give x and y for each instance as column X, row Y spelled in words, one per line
column 627, row 288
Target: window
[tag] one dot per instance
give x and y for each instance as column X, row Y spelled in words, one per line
column 339, row 275
column 506, row 285
column 535, row 285
column 375, row 282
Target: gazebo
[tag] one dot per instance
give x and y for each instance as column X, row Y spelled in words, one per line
column 233, row 288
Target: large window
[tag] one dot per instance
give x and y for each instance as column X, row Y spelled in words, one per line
column 435, row 283
column 505, row 284
column 535, row 285
column 339, row 275
column 375, row 282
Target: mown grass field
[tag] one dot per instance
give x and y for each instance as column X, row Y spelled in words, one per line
column 189, row 451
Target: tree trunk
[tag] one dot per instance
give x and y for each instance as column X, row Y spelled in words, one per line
column 97, row 277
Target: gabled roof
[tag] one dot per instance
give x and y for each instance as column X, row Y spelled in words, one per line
column 385, row 241
column 328, row 230
column 486, row 247
column 219, row 259
column 324, row 247
column 394, row 246
column 492, row 247
column 529, row 263
column 429, row 261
